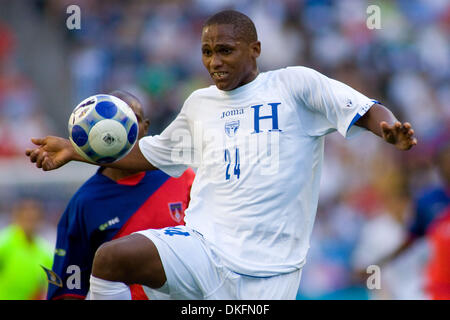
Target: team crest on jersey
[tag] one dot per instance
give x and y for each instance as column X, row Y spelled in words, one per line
column 52, row 277
column 176, row 211
column 231, row 127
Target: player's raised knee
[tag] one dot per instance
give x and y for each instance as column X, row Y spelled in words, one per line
column 109, row 261
column 131, row 259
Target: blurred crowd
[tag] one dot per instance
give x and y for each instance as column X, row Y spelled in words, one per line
column 369, row 190
column 19, row 100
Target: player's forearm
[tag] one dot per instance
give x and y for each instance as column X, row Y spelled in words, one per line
column 53, row 152
column 374, row 116
column 133, row 161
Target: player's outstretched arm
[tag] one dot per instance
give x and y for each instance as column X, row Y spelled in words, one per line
column 382, row 122
column 54, row 152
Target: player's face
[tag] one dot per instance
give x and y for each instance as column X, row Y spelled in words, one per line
column 230, row 60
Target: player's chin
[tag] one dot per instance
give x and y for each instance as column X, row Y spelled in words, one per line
column 224, row 85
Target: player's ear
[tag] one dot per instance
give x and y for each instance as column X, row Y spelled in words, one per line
column 146, row 125
column 255, row 49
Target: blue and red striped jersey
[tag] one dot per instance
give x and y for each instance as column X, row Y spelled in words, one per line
column 104, row 209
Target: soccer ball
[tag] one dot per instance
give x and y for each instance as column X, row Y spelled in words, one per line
column 103, row 128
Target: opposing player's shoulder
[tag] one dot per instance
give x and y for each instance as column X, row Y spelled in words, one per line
column 87, row 189
column 83, row 197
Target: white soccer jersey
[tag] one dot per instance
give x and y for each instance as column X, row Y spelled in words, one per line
column 258, row 150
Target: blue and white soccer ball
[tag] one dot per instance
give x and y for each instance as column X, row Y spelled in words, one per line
column 103, row 128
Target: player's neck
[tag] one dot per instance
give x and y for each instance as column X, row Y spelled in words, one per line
column 116, row 175
column 252, row 76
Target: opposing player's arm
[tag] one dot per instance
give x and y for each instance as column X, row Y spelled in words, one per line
column 382, row 122
column 53, row 152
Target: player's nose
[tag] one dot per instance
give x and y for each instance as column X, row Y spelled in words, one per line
column 215, row 62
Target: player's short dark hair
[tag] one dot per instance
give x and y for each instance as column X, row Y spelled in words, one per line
column 243, row 25
column 128, row 98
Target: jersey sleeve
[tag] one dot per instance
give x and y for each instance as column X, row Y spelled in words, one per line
column 172, row 151
column 325, row 104
column 71, row 262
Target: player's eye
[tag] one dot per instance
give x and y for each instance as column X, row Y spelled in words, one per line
column 206, row 52
column 225, row 51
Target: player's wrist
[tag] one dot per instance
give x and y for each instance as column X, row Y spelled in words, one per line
column 72, row 153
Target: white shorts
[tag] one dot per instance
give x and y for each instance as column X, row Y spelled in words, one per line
column 193, row 271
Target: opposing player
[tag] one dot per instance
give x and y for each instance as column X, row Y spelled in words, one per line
column 257, row 140
column 114, row 203
column 428, row 221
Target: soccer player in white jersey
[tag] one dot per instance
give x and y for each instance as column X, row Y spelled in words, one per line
column 257, row 140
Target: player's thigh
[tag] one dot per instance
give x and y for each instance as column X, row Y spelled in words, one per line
column 242, row 287
column 131, row 259
column 280, row 287
column 190, row 270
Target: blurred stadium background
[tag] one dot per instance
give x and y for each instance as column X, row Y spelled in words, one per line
column 151, row 48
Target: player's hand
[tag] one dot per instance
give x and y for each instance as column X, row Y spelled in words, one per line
column 399, row 134
column 51, row 152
